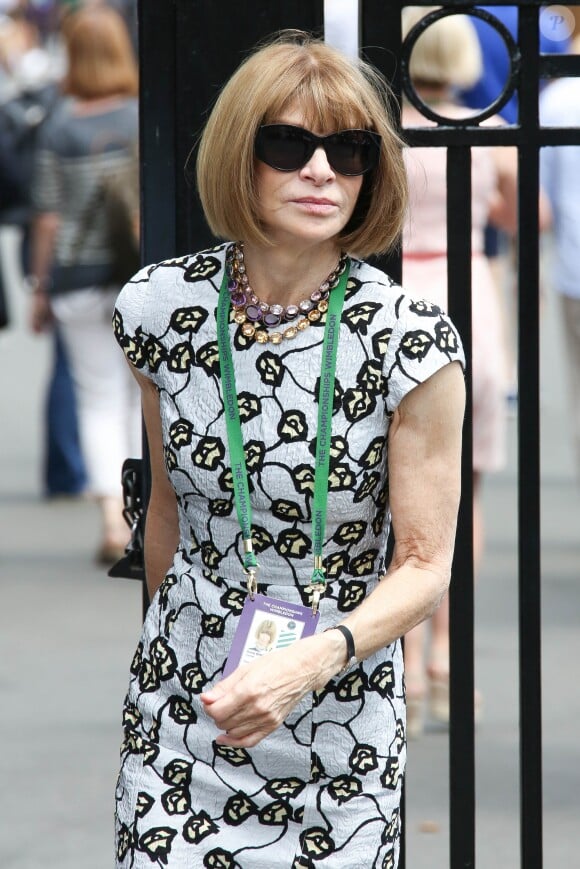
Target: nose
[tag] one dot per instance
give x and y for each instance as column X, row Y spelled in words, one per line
column 318, row 169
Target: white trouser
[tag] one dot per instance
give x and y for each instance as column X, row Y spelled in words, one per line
column 571, row 323
column 108, row 401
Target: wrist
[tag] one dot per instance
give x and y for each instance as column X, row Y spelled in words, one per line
column 346, row 644
column 36, row 286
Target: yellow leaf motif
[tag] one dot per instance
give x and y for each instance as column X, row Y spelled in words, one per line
column 358, row 403
column 381, row 342
column 193, row 678
column 176, row 801
column 235, row 756
column 188, row 319
column 181, row 711
column 285, row 787
column 180, row 358
column 373, row 453
column 349, row 532
column 416, row 345
column 293, row 544
column 208, row 358
column 344, row 788
column 156, row 843
column 382, row 679
column 198, row 827
column 341, row 478
column 424, row 308
column 181, row 432
column 156, row 353
column 133, row 350
column 202, row 269
column 390, row 776
column 446, row 337
column 351, row 687
column 124, row 839
column 316, row 843
column 208, row 453
column 363, row 759
column 275, row 813
column 303, row 478
column 292, row 426
column 144, row 803
column 177, row 772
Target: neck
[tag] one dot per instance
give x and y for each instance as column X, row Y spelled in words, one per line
column 433, row 93
column 279, row 275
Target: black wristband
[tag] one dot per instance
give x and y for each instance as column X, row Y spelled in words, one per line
column 350, row 649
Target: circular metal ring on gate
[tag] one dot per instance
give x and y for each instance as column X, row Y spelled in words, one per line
column 514, row 56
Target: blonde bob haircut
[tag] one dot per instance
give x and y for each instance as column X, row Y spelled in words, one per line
column 447, row 53
column 101, row 60
column 335, row 94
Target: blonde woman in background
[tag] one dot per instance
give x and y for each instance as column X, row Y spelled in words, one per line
column 92, row 133
column 445, row 57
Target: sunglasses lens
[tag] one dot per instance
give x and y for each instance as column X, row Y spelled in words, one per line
column 352, row 152
column 288, row 148
column 282, row 147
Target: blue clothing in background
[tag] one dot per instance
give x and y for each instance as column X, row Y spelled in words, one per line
column 64, row 467
column 560, row 178
column 496, row 61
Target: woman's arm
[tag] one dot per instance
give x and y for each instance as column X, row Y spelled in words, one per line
column 161, row 525
column 43, row 236
column 424, row 487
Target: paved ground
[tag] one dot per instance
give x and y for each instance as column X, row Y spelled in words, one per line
column 67, row 634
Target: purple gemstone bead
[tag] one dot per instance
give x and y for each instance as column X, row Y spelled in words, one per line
column 271, row 319
column 306, row 306
column 292, row 311
column 238, row 300
column 232, row 286
column 253, row 313
column 315, row 296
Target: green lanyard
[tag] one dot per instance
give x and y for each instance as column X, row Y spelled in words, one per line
column 323, row 441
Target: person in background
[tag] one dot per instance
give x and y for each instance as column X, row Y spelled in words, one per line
column 29, row 93
column 92, row 134
column 444, row 58
column 560, row 178
column 256, row 448
column 493, row 76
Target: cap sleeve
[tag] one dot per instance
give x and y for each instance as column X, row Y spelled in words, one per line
column 423, row 340
column 130, row 321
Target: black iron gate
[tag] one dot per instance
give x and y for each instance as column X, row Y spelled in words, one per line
column 188, row 48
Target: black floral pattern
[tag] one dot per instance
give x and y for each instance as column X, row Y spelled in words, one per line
column 301, row 797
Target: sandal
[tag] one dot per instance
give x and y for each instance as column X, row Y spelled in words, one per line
column 439, row 699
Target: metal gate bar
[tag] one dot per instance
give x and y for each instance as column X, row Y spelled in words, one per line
column 529, row 568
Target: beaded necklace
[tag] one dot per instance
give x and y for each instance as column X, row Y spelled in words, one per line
column 256, row 317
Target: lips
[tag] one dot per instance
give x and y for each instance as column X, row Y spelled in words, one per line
column 313, row 200
column 316, row 206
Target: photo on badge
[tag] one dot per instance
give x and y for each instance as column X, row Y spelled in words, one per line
column 267, row 624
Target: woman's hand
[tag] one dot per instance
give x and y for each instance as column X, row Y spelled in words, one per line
column 256, row 698
column 41, row 318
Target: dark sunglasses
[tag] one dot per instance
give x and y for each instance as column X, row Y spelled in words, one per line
column 288, row 148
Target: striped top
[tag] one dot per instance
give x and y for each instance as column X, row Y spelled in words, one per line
column 75, row 151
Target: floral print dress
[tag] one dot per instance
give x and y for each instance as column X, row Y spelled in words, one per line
column 326, row 784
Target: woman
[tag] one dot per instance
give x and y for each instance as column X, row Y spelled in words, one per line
column 90, row 137
column 291, row 759
column 445, row 57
